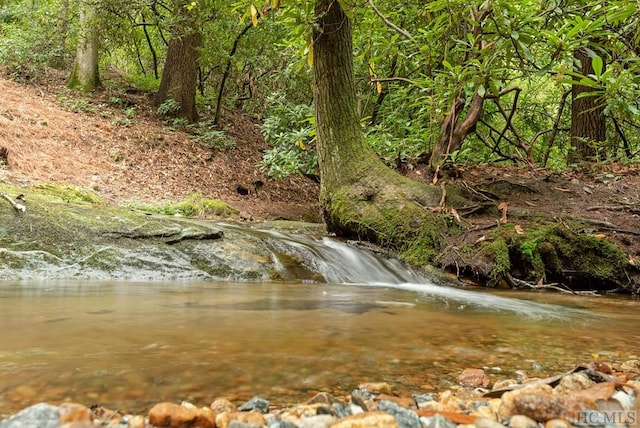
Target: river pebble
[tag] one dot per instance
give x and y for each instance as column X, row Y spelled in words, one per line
column 521, row 421
column 531, row 405
column 176, row 415
column 473, row 378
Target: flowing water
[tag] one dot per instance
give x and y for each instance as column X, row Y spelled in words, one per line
column 126, row 345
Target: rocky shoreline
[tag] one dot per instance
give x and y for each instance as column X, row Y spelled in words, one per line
column 596, row 394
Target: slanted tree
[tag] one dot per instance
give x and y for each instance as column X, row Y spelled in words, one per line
column 180, row 74
column 360, row 196
column 85, row 75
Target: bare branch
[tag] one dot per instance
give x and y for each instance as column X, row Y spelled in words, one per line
column 388, row 23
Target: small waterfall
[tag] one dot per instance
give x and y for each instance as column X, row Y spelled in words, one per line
column 340, row 263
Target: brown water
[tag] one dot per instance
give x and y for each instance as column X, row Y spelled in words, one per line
column 127, row 345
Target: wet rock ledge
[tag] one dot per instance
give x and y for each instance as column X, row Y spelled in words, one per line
column 591, row 395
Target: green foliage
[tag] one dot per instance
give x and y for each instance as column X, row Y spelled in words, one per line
column 290, row 130
column 169, row 107
column 206, row 134
column 31, row 40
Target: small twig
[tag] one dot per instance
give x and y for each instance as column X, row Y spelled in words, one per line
column 629, row 208
column 16, row 206
column 517, row 283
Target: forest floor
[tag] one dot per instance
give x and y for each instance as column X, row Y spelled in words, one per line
column 94, row 141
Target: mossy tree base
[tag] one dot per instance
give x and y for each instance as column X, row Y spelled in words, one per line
column 546, row 252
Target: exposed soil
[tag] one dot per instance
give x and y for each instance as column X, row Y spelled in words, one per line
column 137, row 158
column 49, row 134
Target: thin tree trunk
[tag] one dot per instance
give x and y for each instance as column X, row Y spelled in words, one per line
column 588, row 126
column 85, row 75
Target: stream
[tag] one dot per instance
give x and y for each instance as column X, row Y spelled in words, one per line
column 129, row 344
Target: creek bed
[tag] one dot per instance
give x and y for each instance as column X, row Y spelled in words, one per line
column 127, row 345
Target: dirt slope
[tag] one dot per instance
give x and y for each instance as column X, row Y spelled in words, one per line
column 136, row 159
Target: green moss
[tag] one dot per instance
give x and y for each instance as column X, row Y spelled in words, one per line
column 387, row 219
column 498, row 251
column 70, row 194
column 556, row 253
column 194, row 205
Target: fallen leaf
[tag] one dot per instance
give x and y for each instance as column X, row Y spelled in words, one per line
column 599, row 235
column 455, row 215
column 587, row 190
column 519, row 229
column 531, row 204
column 600, row 391
column 504, row 207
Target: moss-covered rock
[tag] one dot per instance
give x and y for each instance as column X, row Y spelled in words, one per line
column 68, row 233
column 548, row 251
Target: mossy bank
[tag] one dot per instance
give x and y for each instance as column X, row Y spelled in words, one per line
column 69, row 233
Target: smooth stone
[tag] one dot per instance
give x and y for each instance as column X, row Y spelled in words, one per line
column 78, row 424
column 222, row 405
column 41, row 415
column 366, row 420
column 543, row 408
column 136, row 421
column 281, row 423
column 473, row 378
column 223, row 420
column 630, row 365
column 574, row 382
column 405, row 418
column 486, row 412
column 405, row 402
column 522, row 421
column 449, row 403
column 74, row 412
column 174, row 415
column 508, row 399
column 255, row 404
column 240, row 424
column 423, row 398
column 323, row 397
column 439, row 421
column 375, row 387
column 297, row 413
column 359, row 398
column 557, row 423
column 487, row 423
column 318, row 421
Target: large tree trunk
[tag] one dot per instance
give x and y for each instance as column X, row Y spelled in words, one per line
column 360, row 196
column 588, row 126
column 180, row 74
column 85, row 75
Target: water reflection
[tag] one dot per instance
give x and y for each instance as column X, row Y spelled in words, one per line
column 126, row 345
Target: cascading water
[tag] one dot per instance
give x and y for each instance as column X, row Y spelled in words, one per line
column 339, row 262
